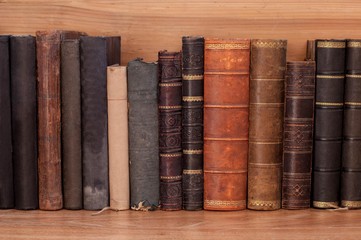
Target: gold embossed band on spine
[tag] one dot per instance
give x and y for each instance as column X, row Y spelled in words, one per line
column 222, row 46
column 192, row 77
column 318, row 204
column 191, row 171
column 351, row 204
column 225, row 204
column 327, row 44
column 352, row 44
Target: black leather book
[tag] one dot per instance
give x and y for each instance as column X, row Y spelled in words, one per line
column 6, row 162
column 24, row 121
column 143, row 130
column 351, row 148
column 330, row 79
column 93, row 70
column 192, row 122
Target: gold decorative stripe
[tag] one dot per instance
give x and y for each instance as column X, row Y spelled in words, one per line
column 318, row 204
column 220, row 203
column 192, row 151
column 260, row 203
column 170, row 84
column 192, row 98
column 353, row 103
column 190, row 172
column 327, row 44
column 170, row 154
column 221, row 46
column 170, row 107
column 226, row 139
column 353, row 76
column 273, row 44
column 171, row 177
column 328, row 104
column 351, row 204
column 354, row 44
column 331, row 76
column 192, row 77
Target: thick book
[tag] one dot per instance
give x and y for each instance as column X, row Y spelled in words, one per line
column 142, row 78
column 298, row 134
column 268, row 65
column 6, row 160
column 351, row 146
column 330, row 81
column 24, row 121
column 226, row 112
column 118, row 137
column 93, row 78
column 170, row 130
column 71, row 124
column 192, row 121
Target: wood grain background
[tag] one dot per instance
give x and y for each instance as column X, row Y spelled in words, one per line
column 147, row 26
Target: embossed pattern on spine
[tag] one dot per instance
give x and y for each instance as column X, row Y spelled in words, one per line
column 192, row 122
column 170, row 130
column 226, row 108
column 330, row 79
column 351, row 146
column 268, row 64
column 298, row 134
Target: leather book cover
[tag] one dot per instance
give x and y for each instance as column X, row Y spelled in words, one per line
column 71, row 124
column 192, row 121
column 93, row 78
column 143, row 130
column 298, row 134
column 311, row 50
column 6, row 161
column 351, row 148
column 226, row 111
column 330, row 80
column 24, row 121
column 118, row 137
column 170, row 130
column 268, row 65
column 113, row 50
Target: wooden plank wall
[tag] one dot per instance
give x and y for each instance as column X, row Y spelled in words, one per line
column 147, row 26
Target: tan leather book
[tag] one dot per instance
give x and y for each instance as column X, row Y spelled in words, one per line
column 118, row 137
column 268, row 64
column 226, row 108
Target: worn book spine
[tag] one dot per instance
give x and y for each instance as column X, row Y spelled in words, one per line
column 330, row 80
column 226, row 110
column 6, row 161
column 170, row 130
column 311, row 50
column 268, row 65
column 351, row 148
column 71, row 124
column 298, row 134
column 93, row 75
column 24, row 121
column 113, row 50
column 142, row 85
column 118, row 137
column 192, row 122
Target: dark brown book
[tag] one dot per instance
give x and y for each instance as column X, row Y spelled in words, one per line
column 268, row 65
column 113, row 50
column 298, row 134
column 311, row 50
column 226, row 110
column 170, row 130
column 192, row 122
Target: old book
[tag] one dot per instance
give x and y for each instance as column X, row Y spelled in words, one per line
column 192, row 121
column 24, row 121
column 71, row 124
column 268, row 65
column 6, row 161
column 351, row 148
column 311, row 50
column 298, row 134
column 143, row 130
column 118, row 137
column 226, row 110
column 330, row 79
column 93, row 75
column 170, row 130
column 113, row 50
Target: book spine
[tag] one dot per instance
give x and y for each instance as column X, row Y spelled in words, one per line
column 118, row 137
column 170, row 130
column 226, row 110
column 93, row 72
column 268, row 64
column 311, row 50
column 298, row 134
column 49, row 142
column 6, row 161
column 24, row 121
column 142, row 85
column 330, row 79
column 192, row 122
column 351, row 148
column 113, row 50
column 71, row 124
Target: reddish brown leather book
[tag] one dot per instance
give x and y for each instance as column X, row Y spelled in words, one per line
column 268, row 65
column 226, row 108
